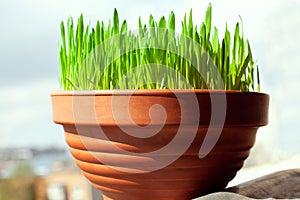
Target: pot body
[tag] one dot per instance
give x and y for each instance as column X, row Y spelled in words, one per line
column 163, row 144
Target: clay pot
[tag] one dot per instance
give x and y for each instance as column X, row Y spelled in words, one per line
column 160, row 144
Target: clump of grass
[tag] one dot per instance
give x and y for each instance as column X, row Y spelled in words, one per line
column 110, row 56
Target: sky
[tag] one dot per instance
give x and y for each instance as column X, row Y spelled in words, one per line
column 29, row 69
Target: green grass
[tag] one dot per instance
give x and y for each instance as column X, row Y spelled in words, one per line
column 110, row 56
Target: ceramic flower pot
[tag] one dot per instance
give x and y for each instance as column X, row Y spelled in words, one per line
column 160, row 144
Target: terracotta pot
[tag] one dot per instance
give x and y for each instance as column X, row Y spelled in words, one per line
column 160, row 144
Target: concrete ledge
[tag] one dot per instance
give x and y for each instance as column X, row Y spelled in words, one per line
column 283, row 185
column 280, row 185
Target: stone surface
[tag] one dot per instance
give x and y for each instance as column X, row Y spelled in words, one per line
column 280, row 185
column 224, row 196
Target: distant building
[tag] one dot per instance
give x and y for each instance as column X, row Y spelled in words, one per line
column 54, row 175
column 63, row 185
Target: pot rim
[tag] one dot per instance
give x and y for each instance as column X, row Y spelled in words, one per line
column 254, row 104
column 146, row 92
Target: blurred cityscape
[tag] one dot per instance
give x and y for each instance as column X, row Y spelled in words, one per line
column 42, row 174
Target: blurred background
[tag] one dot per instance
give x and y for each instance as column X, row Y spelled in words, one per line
column 34, row 160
